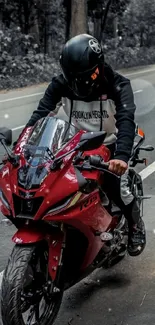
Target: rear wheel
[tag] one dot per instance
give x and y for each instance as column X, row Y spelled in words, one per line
column 28, row 294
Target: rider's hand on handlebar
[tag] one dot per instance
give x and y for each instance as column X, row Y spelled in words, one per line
column 117, row 166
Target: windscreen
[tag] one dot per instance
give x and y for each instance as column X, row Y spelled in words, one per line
column 48, row 137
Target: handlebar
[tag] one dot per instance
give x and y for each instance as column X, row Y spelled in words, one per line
column 97, row 162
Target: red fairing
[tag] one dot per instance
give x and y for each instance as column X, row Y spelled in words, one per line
column 7, row 184
column 28, row 235
column 55, row 242
column 60, row 195
column 102, row 151
column 88, row 216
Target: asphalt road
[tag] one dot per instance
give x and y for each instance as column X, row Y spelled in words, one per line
column 123, row 295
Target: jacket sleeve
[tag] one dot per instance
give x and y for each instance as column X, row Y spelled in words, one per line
column 125, row 113
column 49, row 101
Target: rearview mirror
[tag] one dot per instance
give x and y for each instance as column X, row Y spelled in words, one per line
column 91, row 141
column 6, row 135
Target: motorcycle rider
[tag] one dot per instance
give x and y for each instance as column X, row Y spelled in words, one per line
column 97, row 98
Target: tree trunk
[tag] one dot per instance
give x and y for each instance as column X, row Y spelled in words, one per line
column 115, row 26
column 34, row 23
column 20, row 16
column 1, row 18
column 34, row 26
column 26, row 17
column 34, row 31
column 97, row 28
column 48, row 27
column 141, row 38
column 78, row 17
column 68, row 19
column 98, row 16
column 106, row 14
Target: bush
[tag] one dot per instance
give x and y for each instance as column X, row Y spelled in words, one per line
column 130, row 57
column 15, row 43
column 20, row 62
column 23, row 71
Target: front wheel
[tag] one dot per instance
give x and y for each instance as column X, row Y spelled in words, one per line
column 28, row 295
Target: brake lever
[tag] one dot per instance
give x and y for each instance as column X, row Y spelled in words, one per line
column 89, row 167
column 107, row 171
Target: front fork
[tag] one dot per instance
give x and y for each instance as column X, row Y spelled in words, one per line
column 57, row 244
column 56, row 240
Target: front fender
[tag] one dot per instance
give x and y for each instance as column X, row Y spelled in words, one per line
column 28, row 235
column 56, row 242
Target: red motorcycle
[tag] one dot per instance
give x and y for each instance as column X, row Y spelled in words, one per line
column 51, row 189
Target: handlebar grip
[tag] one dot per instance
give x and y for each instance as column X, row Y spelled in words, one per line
column 95, row 160
column 98, row 162
column 105, row 165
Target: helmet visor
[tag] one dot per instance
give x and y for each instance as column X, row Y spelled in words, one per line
column 84, row 83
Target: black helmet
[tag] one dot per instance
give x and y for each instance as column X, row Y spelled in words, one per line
column 81, row 61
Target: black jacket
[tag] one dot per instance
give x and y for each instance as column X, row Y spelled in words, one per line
column 114, row 89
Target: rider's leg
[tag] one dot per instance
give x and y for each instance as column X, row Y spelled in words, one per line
column 137, row 235
column 119, row 191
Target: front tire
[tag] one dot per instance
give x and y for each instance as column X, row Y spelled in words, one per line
column 20, row 268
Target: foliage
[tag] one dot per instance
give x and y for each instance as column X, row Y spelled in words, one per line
column 139, row 22
column 12, row 41
column 58, row 26
column 32, row 33
column 119, row 6
column 21, row 12
column 21, row 71
column 116, row 6
column 41, row 18
column 130, row 57
column 21, row 64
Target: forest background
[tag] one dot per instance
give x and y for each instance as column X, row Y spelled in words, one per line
column 32, row 33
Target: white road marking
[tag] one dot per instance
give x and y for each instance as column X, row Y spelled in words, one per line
column 147, row 171
column 18, row 127
column 1, row 275
column 138, row 91
column 139, row 72
column 22, row 126
column 16, row 98
column 36, row 94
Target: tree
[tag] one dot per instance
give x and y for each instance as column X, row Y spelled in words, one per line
column 20, row 12
column 51, row 21
column 96, row 10
column 100, row 10
column 138, row 23
column 78, row 24
column 67, row 6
